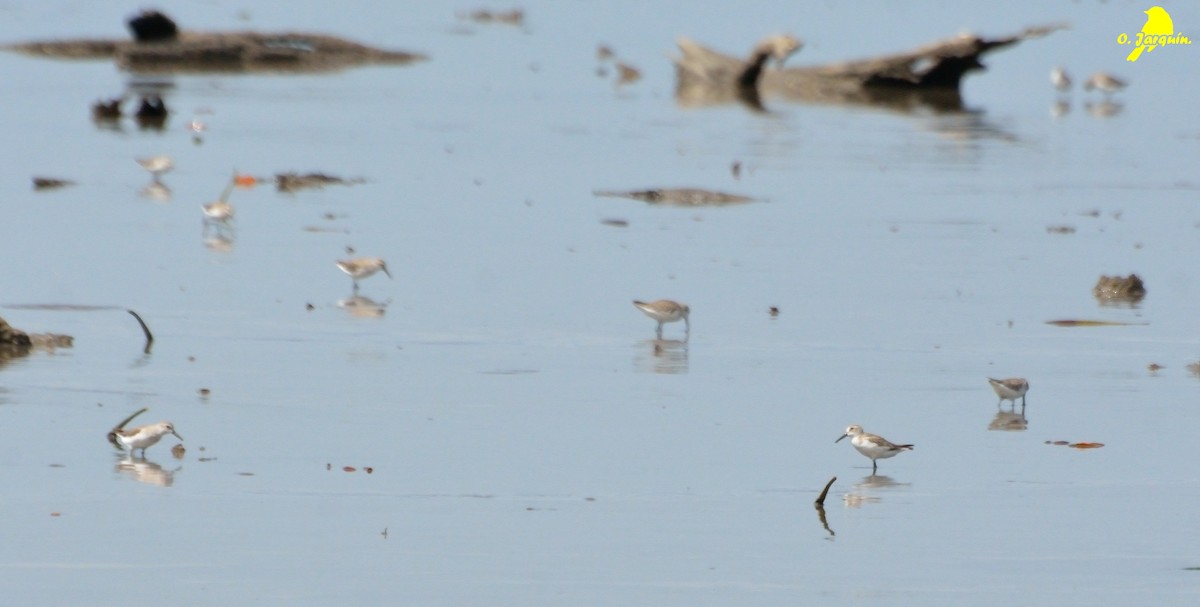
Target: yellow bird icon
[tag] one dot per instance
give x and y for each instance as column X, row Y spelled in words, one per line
column 1158, row 23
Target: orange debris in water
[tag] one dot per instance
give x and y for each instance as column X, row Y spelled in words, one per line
column 245, row 181
column 1086, row 445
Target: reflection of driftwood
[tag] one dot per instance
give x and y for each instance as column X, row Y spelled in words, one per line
column 225, row 52
column 1119, row 289
column 680, row 197
column 929, row 75
column 290, row 182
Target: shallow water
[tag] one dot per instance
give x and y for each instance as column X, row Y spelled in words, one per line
column 530, row 442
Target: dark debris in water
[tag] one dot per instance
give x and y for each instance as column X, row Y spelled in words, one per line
column 1119, row 289
column 680, row 197
column 1078, row 445
column 291, row 182
column 50, row 183
column 515, row 17
column 1092, row 323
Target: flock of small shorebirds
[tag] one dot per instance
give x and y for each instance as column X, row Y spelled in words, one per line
column 662, row 311
column 221, row 212
column 218, row 213
column 1101, row 81
column 870, row 445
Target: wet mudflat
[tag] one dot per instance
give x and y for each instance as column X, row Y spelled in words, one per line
column 529, row 439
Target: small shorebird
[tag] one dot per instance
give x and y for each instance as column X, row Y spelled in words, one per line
column 143, row 436
column 1060, row 79
column 1105, row 82
column 362, row 267
column 218, row 212
column 872, row 445
column 1010, row 389
column 665, row 310
column 221, row 211
column 157, row 165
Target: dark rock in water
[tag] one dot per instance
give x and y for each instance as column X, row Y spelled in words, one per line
column 153, row 26
column 680, row 197
column 1119, row 289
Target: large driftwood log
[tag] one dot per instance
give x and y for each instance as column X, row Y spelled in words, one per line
column 929, row 75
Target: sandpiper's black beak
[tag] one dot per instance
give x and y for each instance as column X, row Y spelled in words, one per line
column 840, row 438
column 385, row 271
column 176, row 435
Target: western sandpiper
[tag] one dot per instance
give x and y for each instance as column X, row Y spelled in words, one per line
column 665, row 310
column 1060, row 79
column 872, row 445
column 218, row 212
column 1106, row 83
column 362, row 267
column 141, row 437
column 157, row 165
column 1010, row 389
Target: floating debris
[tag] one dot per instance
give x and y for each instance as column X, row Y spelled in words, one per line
column 1063, row 229
column 290, row 182
column 515, row 16
column 681, row 197
column 246, row 181
column 50, row 183
column 1154, row 368
column 1119, row 289
column 627, row 74
column 773, row 311
column 1079, row 445
column 616, row 223
column 178, row 451
column 1093, row 323
column 1193, row 369
column 152, row 112
column 107, row 110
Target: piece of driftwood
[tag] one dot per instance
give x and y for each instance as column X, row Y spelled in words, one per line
column 680, row 197
column 929, row 75
column 224, row 52
column 15, row 343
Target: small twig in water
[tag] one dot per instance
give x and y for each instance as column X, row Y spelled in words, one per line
column 145, row 329
column 821, row 498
